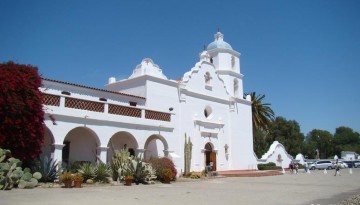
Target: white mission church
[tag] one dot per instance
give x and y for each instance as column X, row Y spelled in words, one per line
column 150, row 115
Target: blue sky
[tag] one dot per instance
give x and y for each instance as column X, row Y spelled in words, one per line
column 303, row 55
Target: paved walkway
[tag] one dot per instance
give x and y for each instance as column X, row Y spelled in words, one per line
column 314, row 188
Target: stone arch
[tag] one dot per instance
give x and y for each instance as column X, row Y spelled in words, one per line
column 47, row 149
column 119, row 141
column 81, row 144
column 156, row 146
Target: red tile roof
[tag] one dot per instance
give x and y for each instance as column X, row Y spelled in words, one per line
column 92, row 88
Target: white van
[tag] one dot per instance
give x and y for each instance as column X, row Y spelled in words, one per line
column 322, row 164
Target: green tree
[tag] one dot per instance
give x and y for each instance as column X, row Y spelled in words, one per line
column 262, row 116
column 321, row 140
column 260, row 145
column 287, row 132
column 346, row 139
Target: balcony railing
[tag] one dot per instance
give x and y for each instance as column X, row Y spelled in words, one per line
column 75, row 103
column 53, row 100
column 84, row 104
column 123, row 110
column 154, row 115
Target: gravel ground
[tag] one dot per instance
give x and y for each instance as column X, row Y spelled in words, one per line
column 354, row 200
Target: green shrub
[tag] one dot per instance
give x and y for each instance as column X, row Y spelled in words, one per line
column 268, row 166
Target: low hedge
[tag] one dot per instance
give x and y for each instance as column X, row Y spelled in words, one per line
column 268, row 166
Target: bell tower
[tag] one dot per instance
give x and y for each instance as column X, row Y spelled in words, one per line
column 227, row 64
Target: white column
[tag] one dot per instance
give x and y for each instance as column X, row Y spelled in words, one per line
column 58, row 152
column 102, row 153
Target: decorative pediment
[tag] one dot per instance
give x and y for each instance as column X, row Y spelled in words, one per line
column 209, row 128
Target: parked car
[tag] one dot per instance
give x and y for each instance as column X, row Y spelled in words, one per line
column 352, row 164
column 322, row 164
column 357, row 163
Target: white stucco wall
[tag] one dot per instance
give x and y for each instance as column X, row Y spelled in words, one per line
column 278, row 155
column 228, row 121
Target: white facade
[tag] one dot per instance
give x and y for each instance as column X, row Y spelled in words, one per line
column 278, row 155
column 150, row 115
column 348, row 155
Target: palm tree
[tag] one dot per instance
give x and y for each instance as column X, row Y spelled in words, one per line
column 262, row 116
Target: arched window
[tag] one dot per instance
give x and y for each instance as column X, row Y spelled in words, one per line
column 232, row 62
column 236, row 88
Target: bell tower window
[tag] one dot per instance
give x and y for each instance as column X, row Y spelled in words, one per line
column 236, row 88
column 207, row 78
column 233, row 62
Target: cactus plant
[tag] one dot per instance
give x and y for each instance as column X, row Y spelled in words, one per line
column 37, row 175
column 188, row 154
column 26, row 176
column 139, row 170
column 12, row 175
column 119, row 161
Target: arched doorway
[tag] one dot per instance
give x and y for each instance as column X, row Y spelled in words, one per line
column 155, row 146
column 80, row 145
column 210, row 156
column 121, row 140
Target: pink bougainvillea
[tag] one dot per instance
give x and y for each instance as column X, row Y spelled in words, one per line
column 21, row 113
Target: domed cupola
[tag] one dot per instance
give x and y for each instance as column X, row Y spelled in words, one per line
column 147, row 67
column 218, row 42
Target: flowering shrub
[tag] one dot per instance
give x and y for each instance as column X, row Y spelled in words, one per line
column 160, row 164
column 21, row 113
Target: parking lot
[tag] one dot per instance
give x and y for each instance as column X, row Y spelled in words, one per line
column 303, row 188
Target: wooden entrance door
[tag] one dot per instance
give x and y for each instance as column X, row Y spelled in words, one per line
column 213, row 159
column 210, row 156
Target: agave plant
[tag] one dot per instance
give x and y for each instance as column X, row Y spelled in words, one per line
column 102, row 172
column 48, row 169
column 139, row 170
column 87, row 171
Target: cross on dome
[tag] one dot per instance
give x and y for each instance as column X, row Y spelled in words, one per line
column 218, row 42
column 219, row 36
